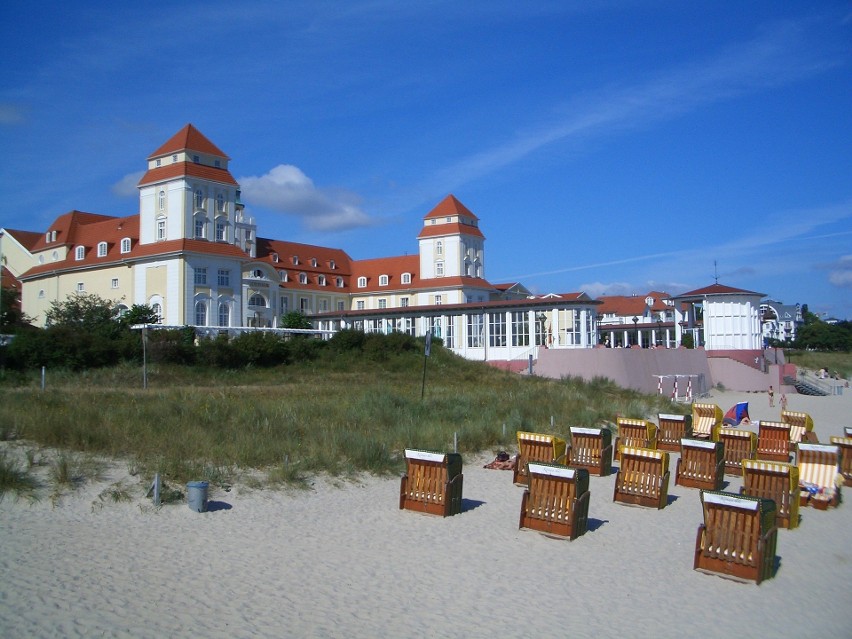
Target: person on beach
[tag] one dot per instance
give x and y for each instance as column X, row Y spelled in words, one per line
column 783, row 401
column 771, row 397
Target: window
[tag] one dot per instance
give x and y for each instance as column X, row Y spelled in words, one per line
column 199, row 199
column 200, row 314
column 161, row 200
column 341, row 305
column 439, row 269
column 196, row 159
column 159, row 161
column 199, row 228
column 174, row 157
column 158, row 312
column 53, row 236
column 257, row 274
column 224, row 314
column 284, row 276
column 383, row 280
column 220, row 203
column 125, row 245
column 497, row 329
column 362, row 282
column 201, row 277
column 314, row 262
column 403, row 302
column 439, row 248
column 275, row 258
column 161, row 230
column 332, row 265
column 439, row 300
column 80, row 287
column 80, row 253
column 217, row 163
column 223, row 277
column 321, row 280
column 303, row 278
column 338, row 282
column 520, row 328
column 475, row 326
column 113, row 283
column 47, row 237
column 257, row 300
column 359, row 305
column 295, row 259
column 220, row 231
column 406, row 278
column 383, row 303
column 41, row 294
column 304, row 304
column 284, row 305
column 323, row 306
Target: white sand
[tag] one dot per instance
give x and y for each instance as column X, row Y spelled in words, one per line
column 345, row 562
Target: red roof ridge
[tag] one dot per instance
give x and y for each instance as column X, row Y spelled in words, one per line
column 188, row 139
column 450, row 205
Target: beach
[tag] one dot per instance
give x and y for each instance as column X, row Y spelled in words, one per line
column 341, row 560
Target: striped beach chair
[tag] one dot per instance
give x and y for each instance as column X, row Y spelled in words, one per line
column 738, row 538
column 557, row 500
column 701, row 464
column 778, row 481
column 591, row 448
column 537, row 447
column 844, row 445
column 671, row 429
column 643, row 477
column 706, row 421
column 739, row 445
column 432, row 483
column 801, row 427
column 773, row 441
column 637, row 433
column 819, row 478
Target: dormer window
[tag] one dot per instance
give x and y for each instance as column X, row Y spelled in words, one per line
column 339, row 282
column 47, row 237
column 275, row 258
column 383, row 280
column 295, row 259
column 284, row 276
column 217, row 163
column 53, row 236
column 362, row 282
column 196, row 159
column 406, row 278
column 80, row 253
column 332, row 265
column 102, row 249
column 321, row 280
column 303, row 278
column 257, row 274
column 125, row 245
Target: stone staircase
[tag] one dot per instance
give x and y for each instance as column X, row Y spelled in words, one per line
column 804, row 387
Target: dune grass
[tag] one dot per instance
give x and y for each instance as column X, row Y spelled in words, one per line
column 338, row 415
column 14, row 479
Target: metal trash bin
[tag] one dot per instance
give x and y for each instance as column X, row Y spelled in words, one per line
column 196, row 496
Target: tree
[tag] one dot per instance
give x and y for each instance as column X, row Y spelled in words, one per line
column 295, row 319
column 139, row 314
column 11, row 317
column 84, row 312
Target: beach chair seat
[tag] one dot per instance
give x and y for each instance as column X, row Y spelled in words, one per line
column 778, row 481
column 557, row 500
column 844, row 445
column 819, row 478
column 773, row 441
column 706, row 421
column 671, row 429
column 801, row 427
column 537, row 447
column 643, row 477
column 701, row 464
column 432, row 482
column 738, row 538
column 739, row 445
column 635, row 433
column 591, row 448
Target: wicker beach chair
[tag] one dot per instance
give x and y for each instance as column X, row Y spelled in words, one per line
column 642, row 478
column 819, row 478
column 591, row 448
column 537, row 447
column 738, row 538
column 432, row 483
column 801, row 427
column 671, row 429
column 778, row 481
column 706, row 421
column 773, row 441
column 739, row 445
column 701, row 464
column 636, row 433
column 557, row 500
column 844, row 445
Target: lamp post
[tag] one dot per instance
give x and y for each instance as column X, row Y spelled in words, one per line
column 659, row 332
column 636, row 328
column 1, row 281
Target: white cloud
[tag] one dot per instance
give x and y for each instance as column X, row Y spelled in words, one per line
column 286, row 189
column 126, row 186
column 841, row 272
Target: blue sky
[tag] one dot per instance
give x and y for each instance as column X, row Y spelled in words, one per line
column 610, row 146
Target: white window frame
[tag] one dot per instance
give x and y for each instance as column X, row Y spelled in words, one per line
column 113, row 283
column 362, row 282
column 80, row 253
column 125, row 245
column 200, row 276
column 223, row 277
column 383, row 280
column 406, row 278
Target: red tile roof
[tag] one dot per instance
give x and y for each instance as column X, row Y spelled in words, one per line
column 190, row 169
column 452, row 228
column 27, row 239
column 624, row 305
column 450, row 206
column 717, row 289
column 188, row 139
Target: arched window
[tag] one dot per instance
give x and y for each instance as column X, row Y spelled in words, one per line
column 224, row 314
column 102, row 249
column 80, row 253
column 162, row 200
column 362, row 282
column 439, row 247
column 321, row 280
column 200, row 314
column 158, row 312
column 125, row 245
column 220, row 231
column 339, row 282
column 199, row 199
column 257, row 300
column 303, row 278
column 406, row 278
column 220, row 203
column 200, row 225
column 383, row 280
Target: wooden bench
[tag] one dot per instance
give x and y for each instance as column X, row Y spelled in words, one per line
column 844, row 445
column 635, row 433
column 701, row 464
column 778, row 481
column 773, row 441
column 432, row 483
column 801, row 427
column 671, row 429
column 537, row 447
column 643, row 477
column 739, row 445
column 819, row 479
column 738, row 538
column 591, row 448
column 557, row 500
column 706, row 421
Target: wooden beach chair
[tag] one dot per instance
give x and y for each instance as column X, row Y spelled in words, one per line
column 701, row 464
column 739, row 445
column 773, row 441
column 778, row 481
column 706, row 421
column 671, row 429
column 738, row 538
column 591, row 448
column 537, row 447
column 557, row 500
column 636, row 433
column 643, row 477
column 432, row 483
column 844, row 445
column 801, row 427
column 819, row 479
